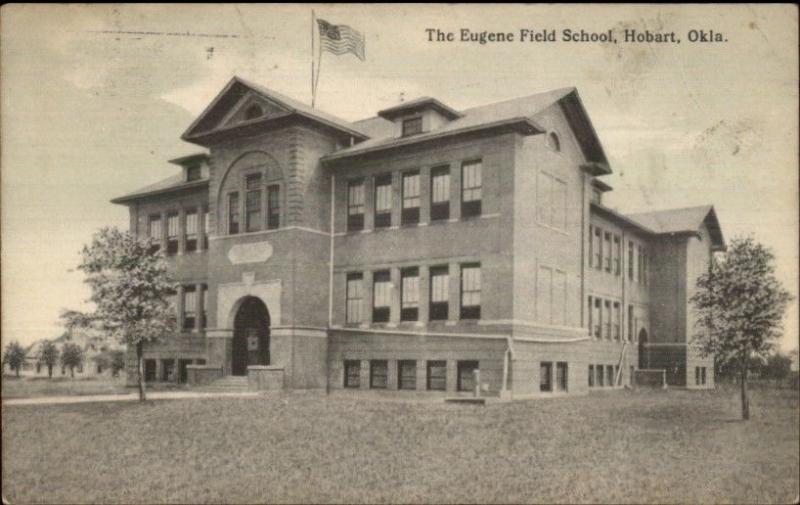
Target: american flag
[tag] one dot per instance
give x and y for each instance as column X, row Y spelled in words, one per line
column 340, row 39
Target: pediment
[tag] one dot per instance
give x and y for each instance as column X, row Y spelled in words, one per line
column 251, row 107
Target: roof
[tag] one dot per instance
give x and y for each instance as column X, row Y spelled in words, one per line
column 417, row 104
column 168, row 185
column 183, row 160
column 237, row 88
column 684, row 220
column 601, row 185
column 510, row 113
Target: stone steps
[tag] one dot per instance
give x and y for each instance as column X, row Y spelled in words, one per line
column 229, row 384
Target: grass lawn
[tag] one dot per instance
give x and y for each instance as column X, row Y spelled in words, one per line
column 614, row 447
column 34, row 387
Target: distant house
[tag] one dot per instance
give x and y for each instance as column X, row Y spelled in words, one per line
column 96, row 355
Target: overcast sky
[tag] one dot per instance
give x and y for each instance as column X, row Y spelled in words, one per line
column 94, row 99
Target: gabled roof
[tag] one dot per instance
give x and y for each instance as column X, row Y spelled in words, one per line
column 184, row 160
column 208, row 122
column 168, row 185
column 513, row 114
column 686, row 220
column 425, row 102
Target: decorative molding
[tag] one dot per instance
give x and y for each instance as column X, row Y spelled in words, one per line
column 488, row 336
column 270, row 232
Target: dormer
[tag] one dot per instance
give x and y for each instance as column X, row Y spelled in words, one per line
column 419, row 116
column 598, row 188
column 195, row 166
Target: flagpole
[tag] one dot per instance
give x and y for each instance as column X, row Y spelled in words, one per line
column 313, row 91
column 319, row 65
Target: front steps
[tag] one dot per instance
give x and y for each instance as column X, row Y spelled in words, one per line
column 227, row 384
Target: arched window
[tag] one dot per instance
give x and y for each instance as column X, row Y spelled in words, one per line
column 253, row 112
column 553, row 142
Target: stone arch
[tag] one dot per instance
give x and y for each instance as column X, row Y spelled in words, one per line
column 251, row 334
column 255, row 161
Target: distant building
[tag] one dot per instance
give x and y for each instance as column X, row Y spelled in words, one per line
column 409, row 249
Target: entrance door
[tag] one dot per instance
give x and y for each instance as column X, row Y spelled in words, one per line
column 250, row 336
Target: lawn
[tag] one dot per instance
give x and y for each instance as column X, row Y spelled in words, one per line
column 34, row 387
column 613, row 447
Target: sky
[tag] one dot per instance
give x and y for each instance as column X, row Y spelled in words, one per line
column 95, row 98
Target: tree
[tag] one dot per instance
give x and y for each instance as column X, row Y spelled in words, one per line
column 740, row 306
column 117, row 362
column 71, row 357
column 14, row 356
column 778, row 367
column 48, row 356
column 131, row 291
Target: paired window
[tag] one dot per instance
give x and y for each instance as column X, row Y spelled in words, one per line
column 173, row 228
column 699, row 376
column 352, row 374
column 355, row 295
column 409, row 294
column 378, row 374
column 436, row 376
column 383, row 201
column 411, row 199
column 381, row 297
column 412, row 126
column 355, row 205
column 471, row 189
column 471, row 291
column 440, row 293
column 440, row 193
column 407, row 374
column 466, row 375
column 191, row 231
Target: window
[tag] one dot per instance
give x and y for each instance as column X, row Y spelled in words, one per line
column 253, row 112
column 697, row 376
column 599, row 371
column 383, row 201
column 253, row 203
column 544, row 195
column 378, row 374
column 354, row 296
column 561, row 376
column 168, row 370
column 552, row 201
column 191, row 231
column 597, row 318
column 381, row 297
column 440, row 193
column 471, row 186
column 173, row 227
column 154, row 231
column 617, row 321
column 544, row 302
column 189, row 307
column 206, row 227
column 273, row 207
column 410, row 213
column 639, row 264
column 233, row 213
column 590, row 257
column 149, row 370
column 440, row 293
column 630, row 260
column 644, row 266
column 617, row 255
column 193, row 173
column 597, row 196
column 407, row 374
column 203, row 306
column 607, row 320
column 610, row 375
column 607, row 251
column 409, row 294
column 471, row 291
column 546, row 376
column 597, row 247
column 437, row 376
column 466, row 375
column 631, row 335
column 352, row 373
column 589, row 311
column 355, row 205
column 412, row 126
column 591, row 376
column 702, row 376
column 553, row 142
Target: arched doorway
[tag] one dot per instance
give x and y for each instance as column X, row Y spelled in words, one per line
column 250, row 336
column 644, row 359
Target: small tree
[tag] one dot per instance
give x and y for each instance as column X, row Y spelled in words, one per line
column 131, row 290
column 778, row 367
column 14, row 357
column 49, row 356
column 740, row 306
column 71, row 357
column 117, row 362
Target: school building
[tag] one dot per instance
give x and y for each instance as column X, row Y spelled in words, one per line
column 405, row 251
